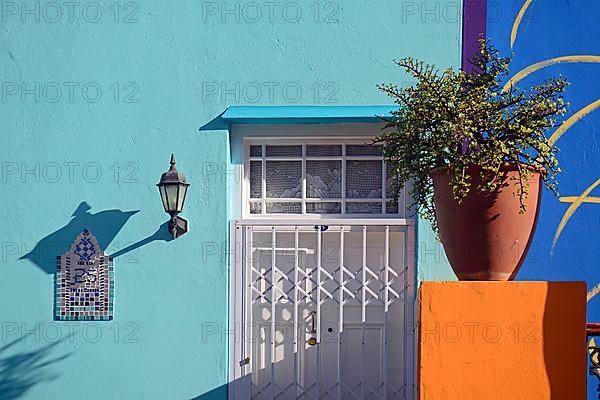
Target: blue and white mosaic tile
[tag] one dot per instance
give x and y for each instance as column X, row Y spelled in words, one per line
column 84, row 282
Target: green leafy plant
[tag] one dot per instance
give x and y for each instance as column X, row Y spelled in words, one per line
column 461, row 120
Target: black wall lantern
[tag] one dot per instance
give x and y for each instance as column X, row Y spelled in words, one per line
column 173, row 188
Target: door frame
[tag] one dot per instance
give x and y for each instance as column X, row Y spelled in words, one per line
column 239, row 381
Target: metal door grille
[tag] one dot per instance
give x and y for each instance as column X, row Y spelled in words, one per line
column 346, row 283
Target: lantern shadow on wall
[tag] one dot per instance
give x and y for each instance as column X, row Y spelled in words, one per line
column 104, row 225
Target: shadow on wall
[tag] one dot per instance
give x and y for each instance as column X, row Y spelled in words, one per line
column 19, row 372
column 216, row 124
column 219, row 393
column 104, row 225
column 161, row 234
column 565, row 356
column 238, row 387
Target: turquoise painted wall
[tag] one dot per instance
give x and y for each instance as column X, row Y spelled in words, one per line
column 94, row 98
column 548, row 30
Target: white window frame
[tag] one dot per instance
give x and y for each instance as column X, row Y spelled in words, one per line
column 264, row 141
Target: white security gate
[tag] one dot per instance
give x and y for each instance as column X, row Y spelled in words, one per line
column 323, row 310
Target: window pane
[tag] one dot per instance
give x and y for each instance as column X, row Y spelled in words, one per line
column 323, row 208
column 363, row 179
column 324, row 179
column 323, row 150
column 284, row 179
column 284, row 151
column 389, row 179
column 256, row 151
column 284, row 208
column 363, row 208
column 357, row 150
column 389, row 209
column 255, row 179
column 255, row 208
column 367, row 188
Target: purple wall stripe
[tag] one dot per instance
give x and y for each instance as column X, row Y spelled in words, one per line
column 474, row 25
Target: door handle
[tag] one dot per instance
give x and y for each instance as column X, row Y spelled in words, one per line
column 313, row 317
column 245, row 361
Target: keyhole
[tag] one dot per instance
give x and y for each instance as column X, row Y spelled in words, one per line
column 329, row 329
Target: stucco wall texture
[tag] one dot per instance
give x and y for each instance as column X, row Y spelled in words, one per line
column 502, row 340
column 95, row 97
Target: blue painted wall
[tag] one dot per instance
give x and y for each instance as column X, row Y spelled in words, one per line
column 95, row 96
column 549, row 30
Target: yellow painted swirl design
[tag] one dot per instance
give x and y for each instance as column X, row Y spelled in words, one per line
column 515, row 28
column 542, row 64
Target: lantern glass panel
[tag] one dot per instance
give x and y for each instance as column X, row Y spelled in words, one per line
column 181, row 197
column 171, row 197
column 163, row 196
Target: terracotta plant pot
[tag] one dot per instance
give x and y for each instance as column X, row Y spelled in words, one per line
column 485, row 237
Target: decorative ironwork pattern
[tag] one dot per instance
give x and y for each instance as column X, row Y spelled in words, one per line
column 84, row 282
column 593, row 331
column 325, row 308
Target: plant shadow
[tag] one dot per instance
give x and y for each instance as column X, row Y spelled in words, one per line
column 19, row 372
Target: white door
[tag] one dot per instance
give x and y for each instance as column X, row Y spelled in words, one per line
column 324, row 310
column 322, row 282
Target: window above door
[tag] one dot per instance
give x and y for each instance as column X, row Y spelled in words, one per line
column 335, row 177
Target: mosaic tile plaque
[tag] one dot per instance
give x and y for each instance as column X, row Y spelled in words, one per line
column 84, row 282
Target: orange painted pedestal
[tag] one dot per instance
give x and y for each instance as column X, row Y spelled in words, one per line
column 502, row 340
